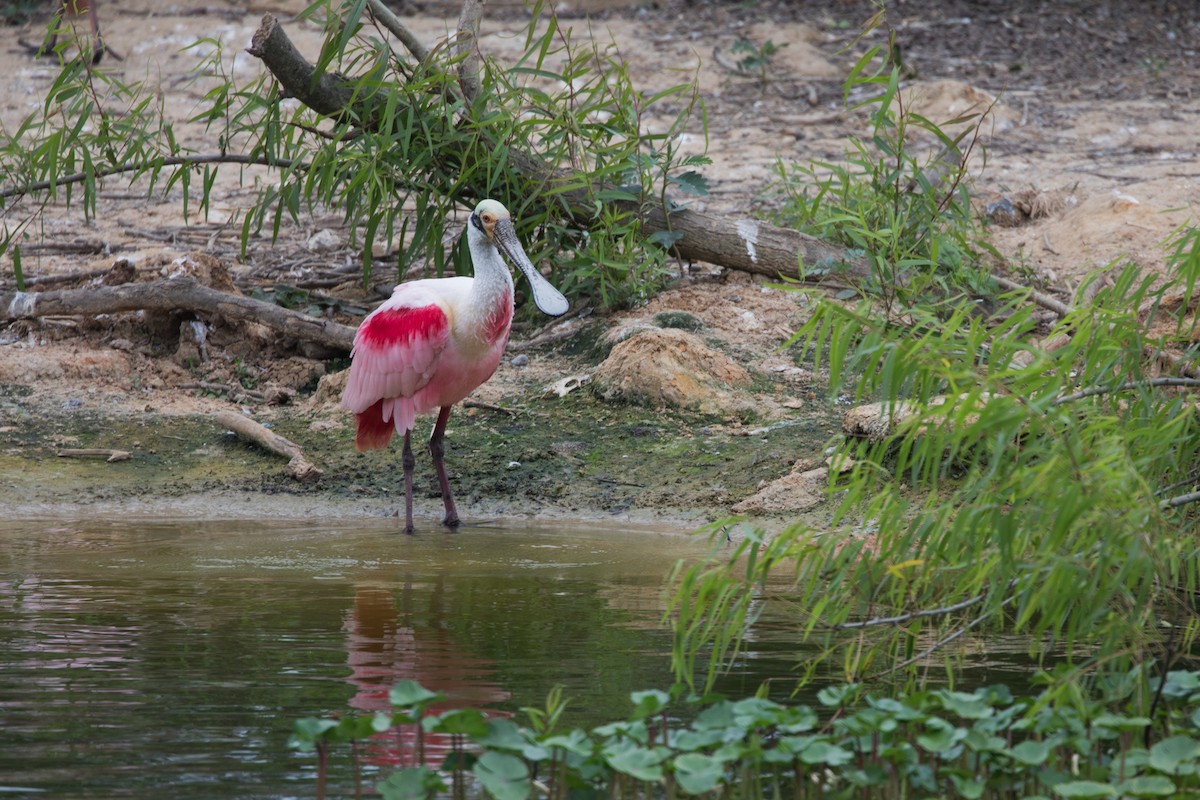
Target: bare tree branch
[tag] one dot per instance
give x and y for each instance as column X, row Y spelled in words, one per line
column 398, row 29
column 1180, row 500
column 298, row 466
column 1092, row 391
column 902, row 618
column 329, row 94
column 1042, row 299
column 1173, row 360
column 940, row 643
column 466, row 47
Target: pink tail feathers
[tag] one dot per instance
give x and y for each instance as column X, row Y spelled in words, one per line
column 386, row 416
column 374, row 432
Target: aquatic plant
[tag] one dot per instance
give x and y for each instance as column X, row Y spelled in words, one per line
column 940, row 743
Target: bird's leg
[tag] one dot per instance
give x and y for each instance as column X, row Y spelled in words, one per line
column 436, row 450
column 409, row 463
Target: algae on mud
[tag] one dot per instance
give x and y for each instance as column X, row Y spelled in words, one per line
column 572, row 457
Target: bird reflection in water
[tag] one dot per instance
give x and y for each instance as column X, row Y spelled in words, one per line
column 389, row 642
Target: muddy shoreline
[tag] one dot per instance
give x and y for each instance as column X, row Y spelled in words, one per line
column 573, row 459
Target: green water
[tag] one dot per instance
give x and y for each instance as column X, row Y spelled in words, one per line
column 170, row 659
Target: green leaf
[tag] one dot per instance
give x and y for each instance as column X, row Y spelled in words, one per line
column 467, row 721
column 1031, row 753
column 407, row 694
column 504, row 776
column 830, row 755
column 969, row 788
column 18, row 270
column 1149, row 786
column 649, row 702
column 1176, row 755
column 753, row 712
column 306, row 732
column 665, row 239
column 691, row 182
column 697, row 773
column 1085, row 789
column 413, row 783
column 576, row 742
column 834, row 696
column 643, row 763
column 502, row 734
column 967, row 706
column 940, row 736
column 1119, row 722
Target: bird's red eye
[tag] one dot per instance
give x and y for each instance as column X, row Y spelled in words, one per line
column 488, row 218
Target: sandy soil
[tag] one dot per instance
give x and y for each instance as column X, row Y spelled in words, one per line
column 1096, row 123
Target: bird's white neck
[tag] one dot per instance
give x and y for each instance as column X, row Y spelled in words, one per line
column 492, row 289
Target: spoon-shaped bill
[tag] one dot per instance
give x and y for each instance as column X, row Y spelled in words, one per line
column 547, row 298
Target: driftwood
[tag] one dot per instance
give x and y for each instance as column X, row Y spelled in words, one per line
column 110, row 456
column 298, row 466
column 171, row 294
column 744, row 243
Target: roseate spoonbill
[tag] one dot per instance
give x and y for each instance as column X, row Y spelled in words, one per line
column 434, row 341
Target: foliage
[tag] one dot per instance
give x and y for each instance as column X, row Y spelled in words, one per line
column 933, row 743
column 908, row 214
column 397, row 163
column 756, row 59
column 1020, row 489
column 1042, row 490
column 18, row 12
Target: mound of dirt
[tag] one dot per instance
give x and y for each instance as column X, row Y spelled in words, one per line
column 668, row 367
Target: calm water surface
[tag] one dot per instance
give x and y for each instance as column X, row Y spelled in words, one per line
column 170, row 659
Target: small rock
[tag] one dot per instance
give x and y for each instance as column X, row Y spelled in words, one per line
column 520, row 360
column 873, row 421
column 1003, row 213
column 323, row 241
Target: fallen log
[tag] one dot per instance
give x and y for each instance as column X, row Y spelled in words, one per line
column 726, row 240
column 172, row 294
column 298, row 466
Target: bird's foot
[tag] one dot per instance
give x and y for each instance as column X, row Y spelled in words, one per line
column 451, row 521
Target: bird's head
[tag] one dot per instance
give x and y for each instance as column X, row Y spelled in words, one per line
column 488, row 215
column 492, row 219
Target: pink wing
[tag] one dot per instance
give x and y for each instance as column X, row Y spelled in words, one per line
column 396, row 352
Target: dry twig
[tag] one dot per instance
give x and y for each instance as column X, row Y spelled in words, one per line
column 298, row 466
column 95, row 452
